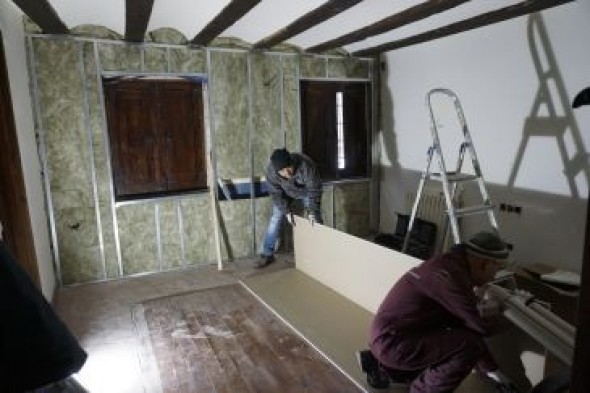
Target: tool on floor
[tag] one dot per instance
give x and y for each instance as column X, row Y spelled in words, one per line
column 450, row 180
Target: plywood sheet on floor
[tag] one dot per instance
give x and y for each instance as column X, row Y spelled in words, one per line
column 224, row 340
column 334, row 325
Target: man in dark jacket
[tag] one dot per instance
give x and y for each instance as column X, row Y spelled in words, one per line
column 428, row 329
column 290, row 176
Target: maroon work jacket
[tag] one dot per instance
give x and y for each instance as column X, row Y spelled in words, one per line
column 434, row 295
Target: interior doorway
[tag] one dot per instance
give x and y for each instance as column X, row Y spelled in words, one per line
column 14, row 211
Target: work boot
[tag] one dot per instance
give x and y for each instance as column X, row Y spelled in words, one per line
column 376, row 378
column 264, row 261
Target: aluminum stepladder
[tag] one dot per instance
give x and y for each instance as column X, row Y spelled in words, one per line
column 450, row 180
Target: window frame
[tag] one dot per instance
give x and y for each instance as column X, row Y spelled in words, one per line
column 357, row 148
column 161, row 159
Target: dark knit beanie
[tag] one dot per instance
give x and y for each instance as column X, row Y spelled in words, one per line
column 487, row 245
column 280, row 159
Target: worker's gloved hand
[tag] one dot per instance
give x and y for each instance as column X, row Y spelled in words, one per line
column 290, row 218
column 312, row 219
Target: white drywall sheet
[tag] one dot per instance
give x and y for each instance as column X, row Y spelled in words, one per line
column 359, row 270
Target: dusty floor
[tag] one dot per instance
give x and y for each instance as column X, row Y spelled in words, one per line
column 100, row 316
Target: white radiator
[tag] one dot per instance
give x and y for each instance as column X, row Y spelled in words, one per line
column 433, row 208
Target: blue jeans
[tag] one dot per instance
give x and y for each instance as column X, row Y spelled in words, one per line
column 274, row 226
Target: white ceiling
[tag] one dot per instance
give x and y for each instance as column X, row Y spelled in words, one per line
column 269, row 16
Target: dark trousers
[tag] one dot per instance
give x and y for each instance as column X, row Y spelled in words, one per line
column 439, row 359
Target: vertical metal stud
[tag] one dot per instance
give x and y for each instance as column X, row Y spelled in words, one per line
column 211, row 119
column 333, row 206
column 44, row 163
column 298, row 81
column 168, row 65
column 158, row 235
column 251, row 152
column 282, row 87
column 92, row 159
column 181, row 231
column 108, row 159
column 211, row 126
column 142, row 57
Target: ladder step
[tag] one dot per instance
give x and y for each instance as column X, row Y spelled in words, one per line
column 465, row 211
column 454, row 176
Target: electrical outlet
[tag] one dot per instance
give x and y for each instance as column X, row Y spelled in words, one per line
column 517, row 209
column 510, row 246
column 502, row 207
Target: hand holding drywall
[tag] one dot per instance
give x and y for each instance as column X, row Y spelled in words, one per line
column 290, row 218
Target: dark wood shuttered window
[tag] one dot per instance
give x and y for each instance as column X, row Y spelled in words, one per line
column 157, row 137
column 335, row 122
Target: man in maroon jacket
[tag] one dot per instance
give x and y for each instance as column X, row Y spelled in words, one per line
column 428, row 329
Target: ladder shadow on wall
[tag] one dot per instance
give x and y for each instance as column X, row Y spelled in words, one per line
column 551, row 115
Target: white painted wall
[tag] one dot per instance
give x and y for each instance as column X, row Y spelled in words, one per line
column 493, row 72
column 14, row 46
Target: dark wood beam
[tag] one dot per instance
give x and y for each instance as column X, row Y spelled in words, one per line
column 307, row 21
column 412, row 14
column 137, row 17
column 488, row 18
column 43, row 14
column 227, row 17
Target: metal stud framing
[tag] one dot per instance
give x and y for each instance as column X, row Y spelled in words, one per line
column 92, row 162
column 209, row 117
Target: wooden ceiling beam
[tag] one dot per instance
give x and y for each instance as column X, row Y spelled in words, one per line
column 405, row 17
column 137, row 17
column 486, row 19
column 307, row 21
column 227, row 17
column 43, row 14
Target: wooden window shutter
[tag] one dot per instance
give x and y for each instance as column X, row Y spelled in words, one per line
column 183, row 142
column 355, row 130
column 318, row 110
column 135, row 148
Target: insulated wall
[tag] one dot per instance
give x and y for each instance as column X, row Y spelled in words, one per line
column 252, row 107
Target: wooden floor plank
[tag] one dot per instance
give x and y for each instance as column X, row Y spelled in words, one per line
column 224, row 340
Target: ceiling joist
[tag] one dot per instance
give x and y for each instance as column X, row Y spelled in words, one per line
column 227, row 17
column 137, row 17
column 486, row 19
column 412, row 14
column 307, row 21
column 43, row 14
